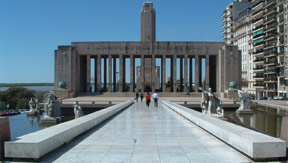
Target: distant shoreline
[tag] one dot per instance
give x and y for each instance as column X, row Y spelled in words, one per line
column 25, row 84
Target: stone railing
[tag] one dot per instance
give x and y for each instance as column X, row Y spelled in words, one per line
column 254, row 144
column 37, row 144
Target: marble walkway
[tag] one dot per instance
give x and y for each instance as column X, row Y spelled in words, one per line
column 139, row 134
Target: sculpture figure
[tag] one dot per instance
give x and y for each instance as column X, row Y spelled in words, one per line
column 245, row 101
column 211, row 104
column 33, row 107
column 37, row 107
column 51, row 105
column 78, row 112
column 31, row 104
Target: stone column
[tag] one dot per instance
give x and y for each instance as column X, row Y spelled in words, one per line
column 114, row 74
column 142, row 73
column 105, row 74
column 196, row 73
column 88, row 85
column 174, row 73
column 124, row 75
column 120, row 73
column 185, row 74
column 95, row 75
column 110, row 74
column 98, row 73
column 132, row 73
column 181, row 74
column 207, row 72
column 191, row 74
column 164, row 73
column 153, row 73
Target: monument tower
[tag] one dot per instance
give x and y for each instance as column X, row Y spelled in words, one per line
column 148, row 31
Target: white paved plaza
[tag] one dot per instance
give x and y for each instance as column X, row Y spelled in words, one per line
column 140, row 134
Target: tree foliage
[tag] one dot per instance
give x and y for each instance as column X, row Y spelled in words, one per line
column 15, row 95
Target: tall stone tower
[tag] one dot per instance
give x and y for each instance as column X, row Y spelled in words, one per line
column 148, row 31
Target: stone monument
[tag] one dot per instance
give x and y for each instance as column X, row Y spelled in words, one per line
column 211, row 104
column 33, row 107
column 78, row 112
column 52, row 109
column 245, row 103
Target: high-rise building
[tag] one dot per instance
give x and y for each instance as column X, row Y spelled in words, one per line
column 242, row 37
column 258, row 46
column 268, row 42
column 237, row 30
column 229, row 15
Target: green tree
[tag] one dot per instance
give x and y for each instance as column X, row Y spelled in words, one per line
column 14, row 95
column 3, row 105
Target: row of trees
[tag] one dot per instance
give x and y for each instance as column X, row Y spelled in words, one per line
column 15, row 98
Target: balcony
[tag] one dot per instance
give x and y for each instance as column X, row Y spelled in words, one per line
column 257, row 20
column 259, row 77
column 269, row 3
column 259, row 85
column 270, row 11
column 255, row 5
column 257, row 12
column 283, row 88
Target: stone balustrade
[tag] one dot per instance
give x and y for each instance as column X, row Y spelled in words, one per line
column 37, row 144
column 254, row 144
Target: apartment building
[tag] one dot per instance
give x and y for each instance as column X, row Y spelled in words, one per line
column 237, row 30
column 268, row 44
column 242, row 36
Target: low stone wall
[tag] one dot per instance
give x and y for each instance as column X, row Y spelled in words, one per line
column 37, row 144
column 4, row 134
column 255, row 145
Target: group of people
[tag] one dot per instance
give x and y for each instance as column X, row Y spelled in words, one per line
column 148, row 98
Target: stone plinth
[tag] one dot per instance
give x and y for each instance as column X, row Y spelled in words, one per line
column 4, row 134
column 51, row 120
column 32, row 113
column 244, row 111
column 232, row 94
column 284, row 130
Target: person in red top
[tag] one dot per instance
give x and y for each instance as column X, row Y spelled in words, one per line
column 147, row 99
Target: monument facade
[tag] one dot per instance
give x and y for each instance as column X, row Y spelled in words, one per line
column 73, row 64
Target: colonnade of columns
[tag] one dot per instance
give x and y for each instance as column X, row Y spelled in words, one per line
column 190, row 75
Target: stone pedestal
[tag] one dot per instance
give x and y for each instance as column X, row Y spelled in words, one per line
column 51, row 120
column 32, row 113
column 4, row 134
column 232, row 94
column 245, row 111
column 284, row 130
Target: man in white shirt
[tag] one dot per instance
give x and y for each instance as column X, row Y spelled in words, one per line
column 155, row 98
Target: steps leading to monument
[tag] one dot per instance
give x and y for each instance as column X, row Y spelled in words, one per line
column 133, row 94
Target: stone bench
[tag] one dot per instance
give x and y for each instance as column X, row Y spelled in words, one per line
column 37, row 144
column 254, row 144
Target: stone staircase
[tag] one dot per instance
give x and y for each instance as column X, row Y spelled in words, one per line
column 132, row 94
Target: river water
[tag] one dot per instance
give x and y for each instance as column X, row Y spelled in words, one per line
column 34, row 88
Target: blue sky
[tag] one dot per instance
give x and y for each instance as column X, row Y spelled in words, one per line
column 31, row 30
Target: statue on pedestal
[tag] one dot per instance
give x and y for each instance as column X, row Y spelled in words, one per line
column 211, row 104
column 78, row 112
column 245, row 102
column 33, row 107
column 51, row 108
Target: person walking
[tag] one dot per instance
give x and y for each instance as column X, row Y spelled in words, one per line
column 137, row 95
column 147, row 99
column 141, row 96
column 155, row 98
